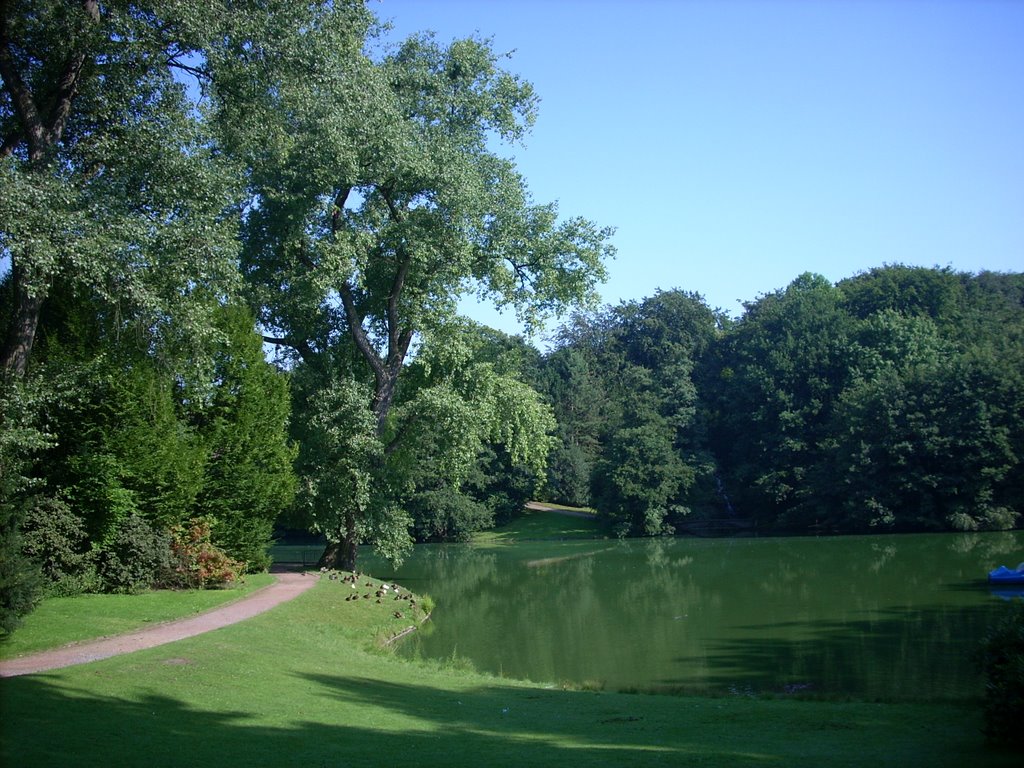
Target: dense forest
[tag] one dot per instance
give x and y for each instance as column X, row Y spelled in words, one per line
column 891, row 401
column 232, row 240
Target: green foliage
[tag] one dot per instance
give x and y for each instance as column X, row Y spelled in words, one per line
column 117, row 222
column 445, row 514
column 376, row 201
column 780, row 370
column 938, row 294
column 137, row 558
column 573, row 384
column 20, row 578
column 339, row 451
column 920, row 450
column 111, row 182
column 20, row 442
column 248, row 478
column 1002, row 658
column 55, row 538
column 890, row 401
column 503, row 486
column 133, row 437
column 631, row 420
column 122, row 448
column 638, row 477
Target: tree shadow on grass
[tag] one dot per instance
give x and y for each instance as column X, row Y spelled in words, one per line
column 912, row 654
column 46, row 723
column 360, row 721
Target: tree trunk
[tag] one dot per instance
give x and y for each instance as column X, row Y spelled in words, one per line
column 341, row 555
column 21, row 334
column 331, row 558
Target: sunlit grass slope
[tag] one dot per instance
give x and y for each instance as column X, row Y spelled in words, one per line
column 304, row 685
column 547, row 523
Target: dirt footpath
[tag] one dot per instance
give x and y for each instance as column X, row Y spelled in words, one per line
column 287, row 586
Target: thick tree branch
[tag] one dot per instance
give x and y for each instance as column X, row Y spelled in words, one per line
column 339, row 206
column 69, row 81
column 397, row 286
column 302, row 347
column 358, row 333
column 21, row 333
column 404, row 429
column 21, row 96
column 201, row 74
column 41, row 131
column 348, row 302
column 390, row 203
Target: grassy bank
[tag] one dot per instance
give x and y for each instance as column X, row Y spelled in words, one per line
column 306, row 685
column 545, row 523
column 62, row 620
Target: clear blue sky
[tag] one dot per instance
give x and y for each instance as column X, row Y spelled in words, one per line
column 735, row 145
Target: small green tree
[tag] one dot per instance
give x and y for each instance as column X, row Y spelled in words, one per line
column 356, row 485
column 248, row 477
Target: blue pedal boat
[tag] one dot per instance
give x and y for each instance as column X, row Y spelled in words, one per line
column 1004, row 575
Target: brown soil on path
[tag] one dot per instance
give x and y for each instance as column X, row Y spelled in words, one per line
column 287, row 586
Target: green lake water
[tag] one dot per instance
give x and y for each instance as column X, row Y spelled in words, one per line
column 889, row 617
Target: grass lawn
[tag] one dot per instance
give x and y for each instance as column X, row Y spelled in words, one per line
column 538, row 524
column 62, row 620
column 305, row 685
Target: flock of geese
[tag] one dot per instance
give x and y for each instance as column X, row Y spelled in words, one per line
column 381, row 592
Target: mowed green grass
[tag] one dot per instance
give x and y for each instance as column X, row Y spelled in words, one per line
column 61, row 620
column 540, row 525
column 305, row 685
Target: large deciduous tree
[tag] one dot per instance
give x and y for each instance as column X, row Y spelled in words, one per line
column 107, row 179
column 376, row 200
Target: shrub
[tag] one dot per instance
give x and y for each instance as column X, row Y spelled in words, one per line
column 20, row 441
column 19, row 577
column 137, row 558
column 55, row 538
column 446, row 514
column 198, row 563
column 1003, row 662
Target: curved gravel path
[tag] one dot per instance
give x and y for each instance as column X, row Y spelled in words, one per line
column 287, row 586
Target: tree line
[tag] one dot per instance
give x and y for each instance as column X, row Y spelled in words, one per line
column 890, row 401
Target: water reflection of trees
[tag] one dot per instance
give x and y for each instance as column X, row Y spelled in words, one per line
column 889, row 614
column 923, row 654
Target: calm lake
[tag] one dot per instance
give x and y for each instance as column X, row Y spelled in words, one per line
column 888, row 617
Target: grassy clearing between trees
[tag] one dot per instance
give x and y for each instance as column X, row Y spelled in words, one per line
column 62, row 620
column 306, row 684
column 544, row 525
